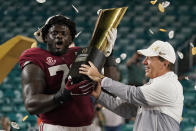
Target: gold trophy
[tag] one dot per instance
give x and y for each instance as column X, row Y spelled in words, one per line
column 107, row 19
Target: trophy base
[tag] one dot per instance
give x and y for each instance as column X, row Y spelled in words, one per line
column 84, row 55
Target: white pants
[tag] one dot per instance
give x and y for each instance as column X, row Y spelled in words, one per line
column 49, row 127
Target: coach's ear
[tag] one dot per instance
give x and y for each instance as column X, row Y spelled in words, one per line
column 166, row 63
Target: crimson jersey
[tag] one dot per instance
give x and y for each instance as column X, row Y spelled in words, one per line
column 74, row 113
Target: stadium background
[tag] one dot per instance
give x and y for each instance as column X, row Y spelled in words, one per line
column 25, row 16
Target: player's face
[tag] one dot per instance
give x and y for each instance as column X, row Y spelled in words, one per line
column 58, row 39
column 153, row 67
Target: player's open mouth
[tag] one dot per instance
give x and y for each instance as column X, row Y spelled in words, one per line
column 59, row 44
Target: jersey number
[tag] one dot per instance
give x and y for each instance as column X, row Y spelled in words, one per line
column 54, row 69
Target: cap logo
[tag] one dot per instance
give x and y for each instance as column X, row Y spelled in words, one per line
column 156, row 48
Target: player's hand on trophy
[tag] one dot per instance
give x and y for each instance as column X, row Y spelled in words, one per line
column 91, row 71
column 111, row 37
column 83, row 88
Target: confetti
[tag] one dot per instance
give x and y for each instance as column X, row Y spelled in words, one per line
column 180, row 54
column 163, row 30
column 123, row 56
column 191, row 44
column 151, row 31
column 75, row 9
column 41, row 1
column 186, row 78
column 165, row 4
column 195, row 87
column 171, row 34
column 117, row 60
column 25, row 118
column 194, row 51
column 78, row 34
column 99, row 11
column 161, row 8
column 153, row 2
column 15, row 125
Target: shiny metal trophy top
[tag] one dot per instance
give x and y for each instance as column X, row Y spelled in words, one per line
column 107, row 19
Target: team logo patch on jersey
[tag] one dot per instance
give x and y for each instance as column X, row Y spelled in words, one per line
column 50, row 61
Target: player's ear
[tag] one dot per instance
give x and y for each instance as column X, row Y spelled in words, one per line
column 70, row 41
column 45, row 38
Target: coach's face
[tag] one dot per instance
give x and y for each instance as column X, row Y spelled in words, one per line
column 153, row 67
column 58, row 39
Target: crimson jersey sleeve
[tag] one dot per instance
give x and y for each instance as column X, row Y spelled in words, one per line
column 31, row 56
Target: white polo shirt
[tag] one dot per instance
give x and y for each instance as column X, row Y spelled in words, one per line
column 165, row 93
column 160, row 102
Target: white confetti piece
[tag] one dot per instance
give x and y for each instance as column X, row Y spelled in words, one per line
column 195, row 87
column 41, row 1
column 75, row 9
column 78, row 34
column 15, row 125
column 165, row 4
column 151, row 31
column 171, row 34
column 98, row 11
column 123, row 56
column 118, row 60
column 191, row 44
column 186, row 78
column 180, row 54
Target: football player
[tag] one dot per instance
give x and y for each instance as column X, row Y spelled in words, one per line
column 46, row 90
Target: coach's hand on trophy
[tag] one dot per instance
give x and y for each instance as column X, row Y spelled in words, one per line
column 91, row 71
column 111, row 37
